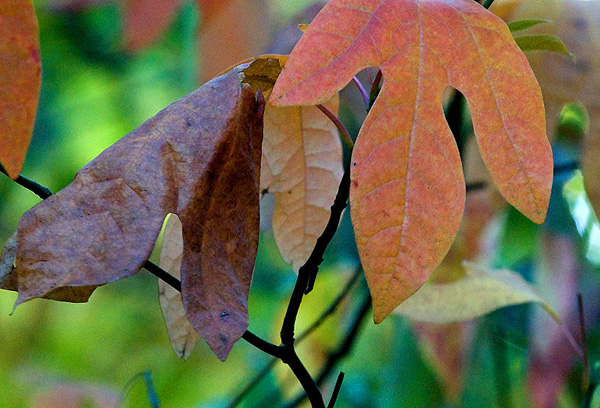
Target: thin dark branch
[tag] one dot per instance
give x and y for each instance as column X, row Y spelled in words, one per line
column 335, row 356
column 163, row 275
column 308, row 272
column 585, row 381
column 311, row 389
column 336, row 390
column 262, row 345
column 332, row 307
column 175, row 283
column 322, row 317
column 38, row 189
column 350, row 337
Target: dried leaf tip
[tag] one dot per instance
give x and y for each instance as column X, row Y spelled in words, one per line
column 262, row 73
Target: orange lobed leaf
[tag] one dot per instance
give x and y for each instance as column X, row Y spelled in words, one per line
column 407, row 193
column 199, row 158
column 20, row 78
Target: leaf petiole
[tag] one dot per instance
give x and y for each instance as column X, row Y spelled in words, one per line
column 339, row 125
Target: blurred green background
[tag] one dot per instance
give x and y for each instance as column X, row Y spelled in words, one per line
column 93, row 93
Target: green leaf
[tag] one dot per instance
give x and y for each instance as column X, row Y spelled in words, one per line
column 525, row 24
column 542, row 42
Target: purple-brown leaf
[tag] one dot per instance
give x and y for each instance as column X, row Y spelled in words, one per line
column 199, row 158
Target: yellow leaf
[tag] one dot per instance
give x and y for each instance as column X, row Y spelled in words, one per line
column 480, row 291
column 182, row 334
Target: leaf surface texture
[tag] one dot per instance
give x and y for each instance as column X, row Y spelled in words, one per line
column 407, row 193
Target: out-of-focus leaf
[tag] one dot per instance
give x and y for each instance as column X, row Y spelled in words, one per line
column 542, row 42
column 20, row 77
column 583, row 214
column 73, row 395
column 481, row 291
column 407, row 192
column 144, row 21
column 232, row 31
column 577, row 24
column 182, row 334
column 551, row 356
column 525, row 24
column 445, row 347
column 504, row 8
column 573, row 123
column 518, row 242
column 199, row 158
column 303, row 153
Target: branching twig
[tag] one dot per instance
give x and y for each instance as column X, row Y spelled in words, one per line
column 335, row 356
column 324, row 315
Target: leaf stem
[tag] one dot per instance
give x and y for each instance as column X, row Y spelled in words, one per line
column 362, row 91
column 339, row 125
column 375, row 88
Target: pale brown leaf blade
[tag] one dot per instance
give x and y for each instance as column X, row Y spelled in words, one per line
column 199, row 158
column 8, row 277
column 480, row 291
column 182, row 334
column 303, row 167
column 20, row 80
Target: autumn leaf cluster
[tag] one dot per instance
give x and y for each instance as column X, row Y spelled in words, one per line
column 260, row 127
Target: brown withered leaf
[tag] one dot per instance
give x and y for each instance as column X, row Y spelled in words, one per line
column 182, row 334
column 200, row 159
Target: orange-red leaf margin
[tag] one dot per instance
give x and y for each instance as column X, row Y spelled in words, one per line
column 20, row 80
